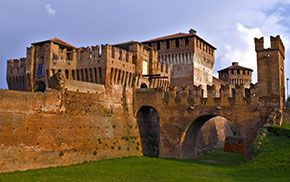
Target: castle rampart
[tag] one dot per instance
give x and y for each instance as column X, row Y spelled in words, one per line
column 56, row 129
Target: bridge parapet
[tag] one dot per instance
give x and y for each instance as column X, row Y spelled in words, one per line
column 226, row 95
column 194, row 96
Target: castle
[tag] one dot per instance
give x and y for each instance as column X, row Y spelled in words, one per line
column 191, row 59
column 131, row 98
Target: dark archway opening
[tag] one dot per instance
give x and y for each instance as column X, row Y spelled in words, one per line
column 148, row 123
column 143, row 85
column 40, row 87
column 208, row 134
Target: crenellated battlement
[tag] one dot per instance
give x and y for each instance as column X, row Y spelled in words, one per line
column 16, row 63
column 107, row 52
column 276, row 44
column 181, row 42
column 259, row 44
column 122, row 55
column 194, row 96
column 88, row 53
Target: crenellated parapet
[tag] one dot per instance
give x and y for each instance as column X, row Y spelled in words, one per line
column 16, row 63
column 88, row 53
column 216, row 97
column 122, row 55
column 276, row 44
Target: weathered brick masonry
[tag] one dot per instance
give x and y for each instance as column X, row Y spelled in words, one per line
column 52, row 129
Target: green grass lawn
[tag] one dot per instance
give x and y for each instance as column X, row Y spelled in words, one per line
column 271, row 164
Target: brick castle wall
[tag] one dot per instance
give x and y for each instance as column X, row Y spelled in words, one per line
column 42, row 130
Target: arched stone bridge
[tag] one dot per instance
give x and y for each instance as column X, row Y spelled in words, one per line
column 181, row 115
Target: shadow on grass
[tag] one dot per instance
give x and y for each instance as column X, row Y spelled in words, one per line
column 220, row 158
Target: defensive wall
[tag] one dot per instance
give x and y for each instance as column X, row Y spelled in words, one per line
column 62, row 127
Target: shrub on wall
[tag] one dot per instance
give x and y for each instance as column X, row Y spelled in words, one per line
column 262, row 133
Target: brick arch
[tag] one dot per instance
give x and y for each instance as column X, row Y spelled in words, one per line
column 189, row 137
column 148, row 120
column 146, row 105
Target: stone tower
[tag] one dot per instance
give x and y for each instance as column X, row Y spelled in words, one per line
column 270, row 64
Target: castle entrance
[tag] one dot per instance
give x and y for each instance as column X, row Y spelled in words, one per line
column 208, row 134
column 148, row 123
column 40, row 87
column 143, row 85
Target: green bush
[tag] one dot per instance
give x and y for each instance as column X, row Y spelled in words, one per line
column 283, row 130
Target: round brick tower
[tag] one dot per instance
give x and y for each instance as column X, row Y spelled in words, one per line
column 236, row 75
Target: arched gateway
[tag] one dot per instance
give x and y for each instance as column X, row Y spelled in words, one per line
column 148, row 123
column 182, row 113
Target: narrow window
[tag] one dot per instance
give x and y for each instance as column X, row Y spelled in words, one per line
column 111, row 76
column 115, row 75
column 82, row 74
column 73, row 75
column 78, row 75
column 100, row 72
column 126, row 78
column 119, row 76
column 145, row 68
column 91, row 75
column 66, row 74
column 129, row 81
column 186, row 41
column 123, row 76
column 177, row 42
column 87, row 76
column 95, row 72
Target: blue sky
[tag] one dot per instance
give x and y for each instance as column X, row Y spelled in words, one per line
column 229, row 25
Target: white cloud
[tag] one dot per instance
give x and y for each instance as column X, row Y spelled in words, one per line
column 243, row 51
column 50, row 10
column 237, row 42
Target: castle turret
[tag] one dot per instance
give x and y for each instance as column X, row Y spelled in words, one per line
column 236, row 75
